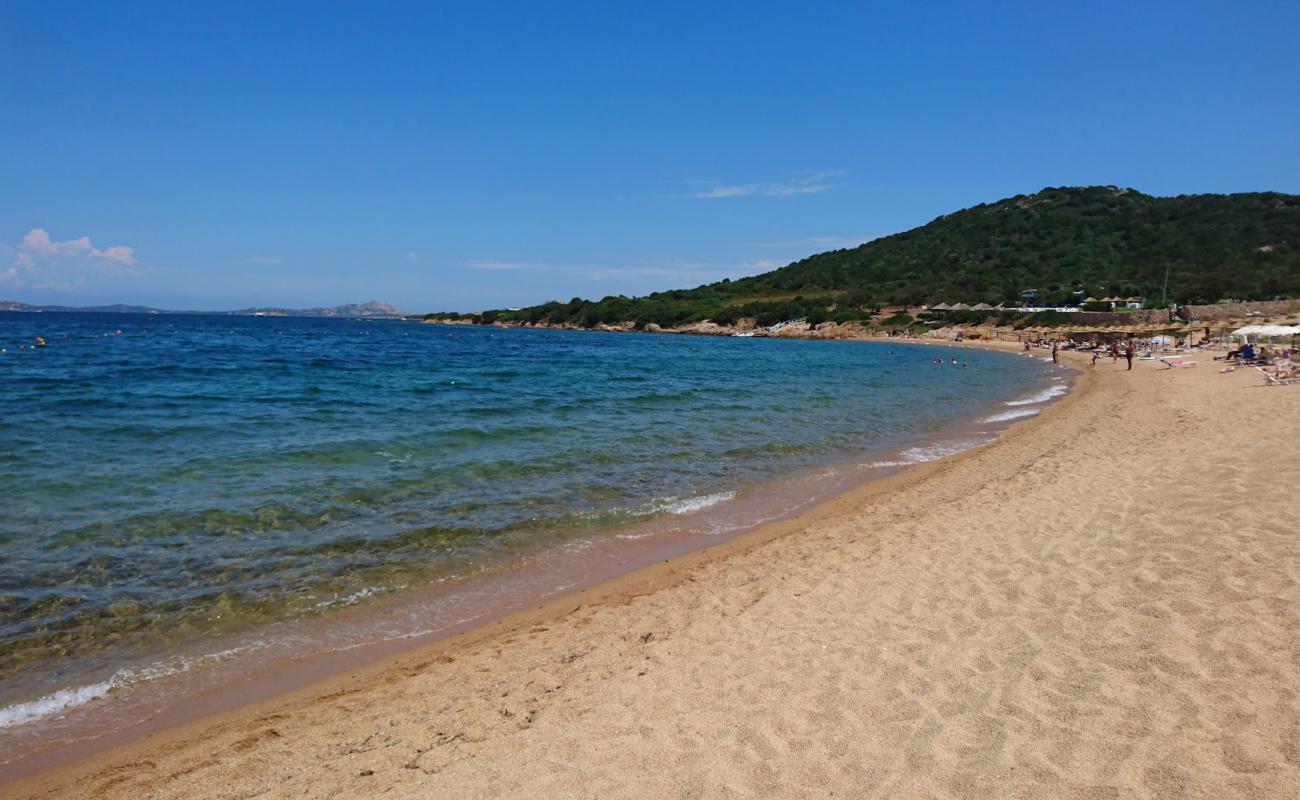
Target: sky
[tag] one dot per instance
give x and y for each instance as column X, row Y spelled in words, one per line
column 461, row 156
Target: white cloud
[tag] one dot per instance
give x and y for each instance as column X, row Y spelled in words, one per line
column 808, row 182
column 735, row 190
column 42, row 263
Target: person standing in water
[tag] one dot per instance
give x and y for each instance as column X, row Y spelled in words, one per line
column 1054, row 358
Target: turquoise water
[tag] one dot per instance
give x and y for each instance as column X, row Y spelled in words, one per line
column 176, row 478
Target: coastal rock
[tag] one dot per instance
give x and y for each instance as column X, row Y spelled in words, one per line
column 705, row 328
column 794, row 330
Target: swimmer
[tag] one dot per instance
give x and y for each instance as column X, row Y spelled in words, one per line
column 964, row 365
column 954, row 362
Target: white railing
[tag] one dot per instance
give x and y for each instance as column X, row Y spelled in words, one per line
column 782, row 325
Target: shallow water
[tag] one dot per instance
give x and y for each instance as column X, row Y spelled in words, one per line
column 175, row 480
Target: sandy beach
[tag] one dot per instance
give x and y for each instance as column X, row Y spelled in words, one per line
column 1105, row 603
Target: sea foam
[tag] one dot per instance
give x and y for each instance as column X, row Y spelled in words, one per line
column 929, row 452
column 689, row 505
column 54, row 703
column 1010, row 415
column 1055, row 390
column 66, row 699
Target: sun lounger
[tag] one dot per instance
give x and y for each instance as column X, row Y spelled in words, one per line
column 1174, row 363
column 1273, row 380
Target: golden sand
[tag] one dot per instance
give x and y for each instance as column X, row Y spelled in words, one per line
column 1106, row 603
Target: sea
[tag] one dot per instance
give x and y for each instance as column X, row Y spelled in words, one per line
column 187, row 500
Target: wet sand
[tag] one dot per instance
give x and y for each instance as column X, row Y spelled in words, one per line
column 1106, row 603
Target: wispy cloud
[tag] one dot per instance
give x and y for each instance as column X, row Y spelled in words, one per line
column 265, row 260
column 40, row 262
column 411, row 257
column 809, row 182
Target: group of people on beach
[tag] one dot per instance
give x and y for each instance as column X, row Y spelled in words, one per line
column 1114, row 349
column 1279, row 363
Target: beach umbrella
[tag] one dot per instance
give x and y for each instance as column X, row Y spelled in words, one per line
column 1267, row 330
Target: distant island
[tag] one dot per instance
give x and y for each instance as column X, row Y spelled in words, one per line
column 1078, row 246
column 370, row 310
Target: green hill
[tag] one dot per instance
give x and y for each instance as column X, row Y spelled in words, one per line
column 1099, row 240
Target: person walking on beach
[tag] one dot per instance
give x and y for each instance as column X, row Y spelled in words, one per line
column 1128, row 354
column 1095, row 356
column 1054, row 359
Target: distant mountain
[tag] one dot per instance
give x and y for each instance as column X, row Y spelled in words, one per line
column 374, row 308
column 10, row 305
column 371, row 310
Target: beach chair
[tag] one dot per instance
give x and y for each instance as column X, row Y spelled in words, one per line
column 1273, row 380
column 1174, row 363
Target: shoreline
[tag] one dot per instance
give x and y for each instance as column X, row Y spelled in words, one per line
column 261, row 685
column 1096, row 604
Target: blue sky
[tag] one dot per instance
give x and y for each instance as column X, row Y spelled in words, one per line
column 469, row 155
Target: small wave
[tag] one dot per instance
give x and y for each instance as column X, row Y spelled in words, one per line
column 883, row 464
column 50, row 704
column 1041, row 397
column 1010, row 415
column 356, row 597
column 688, row 505
column 938, row 450
column 74, row 696
column 929, row 452
column 631, row 537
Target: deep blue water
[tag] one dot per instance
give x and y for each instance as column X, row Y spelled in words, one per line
column 182, row 476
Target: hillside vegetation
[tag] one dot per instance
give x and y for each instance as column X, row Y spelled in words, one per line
column 1099, row 240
